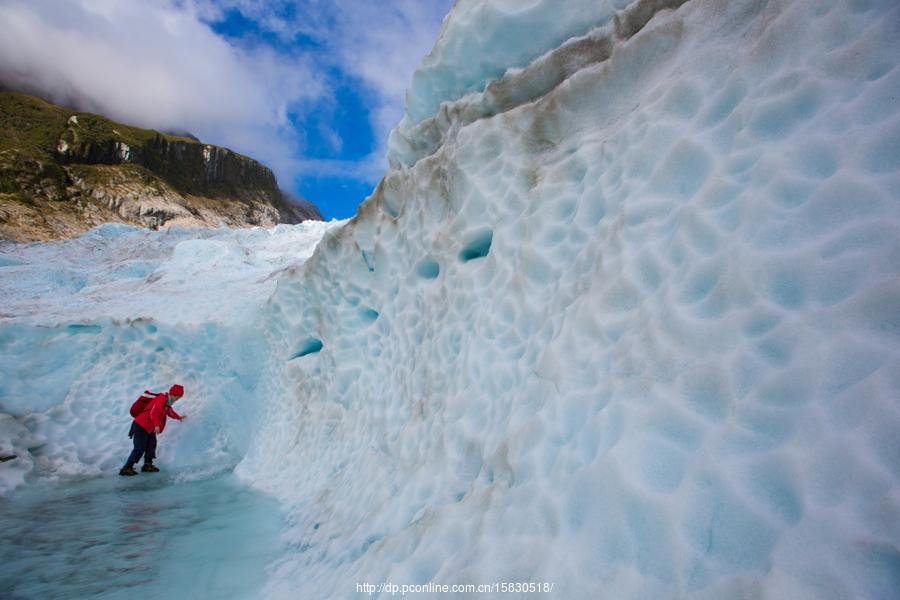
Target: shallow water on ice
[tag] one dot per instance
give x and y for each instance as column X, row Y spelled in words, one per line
column 149, row 536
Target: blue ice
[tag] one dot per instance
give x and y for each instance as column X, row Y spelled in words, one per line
column 307, row 346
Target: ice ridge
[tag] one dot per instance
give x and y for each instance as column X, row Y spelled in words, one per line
column 420, row 135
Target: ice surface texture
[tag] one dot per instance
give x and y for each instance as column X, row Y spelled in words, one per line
column 87, row 324
column 635, row 331
column 482, row 39
column 623, row 317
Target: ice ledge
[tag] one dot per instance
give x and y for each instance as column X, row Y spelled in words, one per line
column 411, row 141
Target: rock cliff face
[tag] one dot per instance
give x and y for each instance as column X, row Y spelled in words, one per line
column 62, row 173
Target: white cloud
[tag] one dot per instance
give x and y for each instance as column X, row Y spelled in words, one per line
column 379, row 44
column 159, row 64
column 156, row 65
column 385, row 57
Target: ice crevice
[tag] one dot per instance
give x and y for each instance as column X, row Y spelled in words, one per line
column 308, row 346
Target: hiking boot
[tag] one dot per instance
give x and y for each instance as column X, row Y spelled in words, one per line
column 127, row 470
column 149, row 468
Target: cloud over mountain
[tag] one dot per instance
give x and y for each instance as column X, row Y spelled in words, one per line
column 267, row 88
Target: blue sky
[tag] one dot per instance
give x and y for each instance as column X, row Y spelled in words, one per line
column 311, row 88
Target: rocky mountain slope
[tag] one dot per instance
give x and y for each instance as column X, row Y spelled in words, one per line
column 62, row 172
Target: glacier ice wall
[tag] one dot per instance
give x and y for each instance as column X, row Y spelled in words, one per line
column 87, row 324
column 623, row 316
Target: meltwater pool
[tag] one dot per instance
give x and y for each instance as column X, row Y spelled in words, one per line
column 150, row 536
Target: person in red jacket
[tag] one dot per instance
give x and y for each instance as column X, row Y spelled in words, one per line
column 149, row 423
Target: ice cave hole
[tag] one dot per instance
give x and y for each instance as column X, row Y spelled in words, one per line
column 428, row 269
column 478, row 244
column 368, row 315
column 308, row 346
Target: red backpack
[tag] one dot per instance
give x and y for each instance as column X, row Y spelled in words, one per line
column 142, row 403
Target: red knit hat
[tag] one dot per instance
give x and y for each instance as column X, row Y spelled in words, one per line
column 176, row 390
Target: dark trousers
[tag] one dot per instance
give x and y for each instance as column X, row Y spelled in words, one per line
column 144, row 445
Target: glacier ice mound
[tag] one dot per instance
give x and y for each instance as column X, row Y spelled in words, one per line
column 622, row 316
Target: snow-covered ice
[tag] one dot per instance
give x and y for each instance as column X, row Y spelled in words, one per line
column 180, row 275
column 624, row 316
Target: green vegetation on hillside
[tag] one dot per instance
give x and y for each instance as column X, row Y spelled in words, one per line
column 33, row 127
column 63, row 171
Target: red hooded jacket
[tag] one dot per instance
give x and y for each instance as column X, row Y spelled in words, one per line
column 155, row 414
